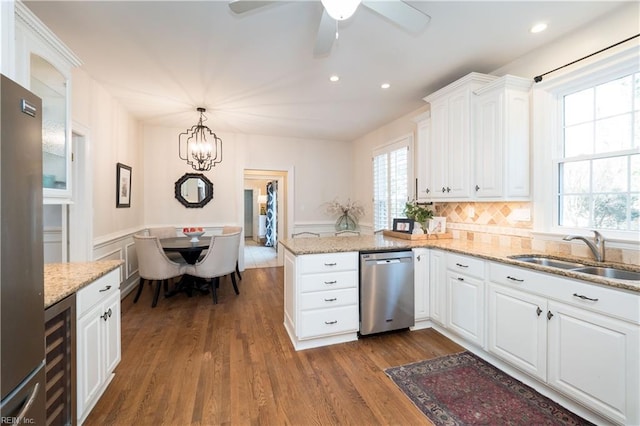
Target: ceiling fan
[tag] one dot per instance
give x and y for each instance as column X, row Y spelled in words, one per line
column 400, row 13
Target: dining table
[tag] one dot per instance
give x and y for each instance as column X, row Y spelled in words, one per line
column 190, row 251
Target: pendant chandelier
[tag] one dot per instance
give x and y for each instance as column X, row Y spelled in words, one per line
column 199, row 146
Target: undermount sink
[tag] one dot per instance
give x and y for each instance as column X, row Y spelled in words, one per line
column 601, row 271
column 616, row 273
column 546, row 261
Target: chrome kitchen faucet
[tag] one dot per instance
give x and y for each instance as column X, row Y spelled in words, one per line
column 596, row 246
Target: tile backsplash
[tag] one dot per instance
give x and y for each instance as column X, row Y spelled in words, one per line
column 510, row 224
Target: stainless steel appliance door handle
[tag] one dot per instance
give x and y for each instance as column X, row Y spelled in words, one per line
column 21, row 415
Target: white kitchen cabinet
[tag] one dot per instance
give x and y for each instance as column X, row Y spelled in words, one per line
column 43, row 65
column 594, row 359
column 421, row 289
column 592, row 343
column 423, row 190
column 98, row 339
column 438, row 286
column 501, row 139
column 451, row 152
column 517, row 329
column 321, row 298
column 465, row 297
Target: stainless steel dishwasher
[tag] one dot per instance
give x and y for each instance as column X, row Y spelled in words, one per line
column 386, row 291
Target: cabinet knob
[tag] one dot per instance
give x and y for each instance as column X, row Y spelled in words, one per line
column 418, row 258
column 444, row 189
column 549, row 315
column 448, row 189
column 477, row 188
column 427, row 190
column 538, row 311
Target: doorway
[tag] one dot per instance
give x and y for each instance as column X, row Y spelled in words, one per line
column 267, row 214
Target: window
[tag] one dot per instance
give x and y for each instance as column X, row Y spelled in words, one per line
column 390, row 182
column 598, row 162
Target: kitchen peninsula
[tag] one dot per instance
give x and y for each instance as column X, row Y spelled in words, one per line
column 479, row 295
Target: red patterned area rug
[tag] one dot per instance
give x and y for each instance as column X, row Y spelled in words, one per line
column 462, row 389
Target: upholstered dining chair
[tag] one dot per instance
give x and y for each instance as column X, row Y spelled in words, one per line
column 166, row 232
column 154, row 265
column 220, row 260
column 163, row 232
column 230, row 230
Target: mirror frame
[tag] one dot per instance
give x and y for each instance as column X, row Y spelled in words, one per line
column 201, row 203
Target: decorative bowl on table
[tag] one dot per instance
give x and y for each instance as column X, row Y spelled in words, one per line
column 193, row 233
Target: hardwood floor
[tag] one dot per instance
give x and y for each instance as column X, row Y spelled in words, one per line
column 189, row 362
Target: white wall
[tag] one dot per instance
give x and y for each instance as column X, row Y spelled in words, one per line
column 322, row 171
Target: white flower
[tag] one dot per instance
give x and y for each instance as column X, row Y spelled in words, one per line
column 351, row 208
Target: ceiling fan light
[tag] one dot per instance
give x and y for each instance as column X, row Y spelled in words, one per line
column 340, row 9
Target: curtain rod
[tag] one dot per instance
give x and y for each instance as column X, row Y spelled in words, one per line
column 538, row 78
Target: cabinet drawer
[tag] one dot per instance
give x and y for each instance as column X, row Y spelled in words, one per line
column 328, row 262
column 323, row 322
column 465, row 265
column 98, row 290
column 328, row 281
column 329, row 299
column 617, row 303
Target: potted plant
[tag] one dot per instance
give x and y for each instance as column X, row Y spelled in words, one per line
column 418, row 212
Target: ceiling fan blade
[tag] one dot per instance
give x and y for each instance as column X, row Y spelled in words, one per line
column 243, row 6
column 400, row 13
column 326, row 35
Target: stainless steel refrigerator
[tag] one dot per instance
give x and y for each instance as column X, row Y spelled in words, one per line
column 21, row 257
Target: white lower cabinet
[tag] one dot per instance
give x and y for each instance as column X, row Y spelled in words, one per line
column 517, row 329
column 595, row 359
column 438, row 286
column 580, row 339
column 465, row 297
column 321, row 298
column 421, row 285
column 98, row 339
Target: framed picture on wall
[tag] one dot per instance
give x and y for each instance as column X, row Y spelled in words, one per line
column 123, row 185
column 403, row 225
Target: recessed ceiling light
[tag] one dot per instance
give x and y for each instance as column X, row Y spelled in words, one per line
column 538, row 28
column 385, row 85
column 334, row 78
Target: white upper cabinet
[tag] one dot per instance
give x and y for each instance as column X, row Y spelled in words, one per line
column 478, row 141
column 501, row 139
column 423, row 172
column 43, row 65
column 451, row 137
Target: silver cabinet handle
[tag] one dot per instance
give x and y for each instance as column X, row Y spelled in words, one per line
column 460, row 279
column 330, row 264
column 461, row 265
column 419, row 257
column 477, row 188
column 331, row 322
column 549, row 315
column 331, row 300
column 105, row 289
column 584, row 297
column 514, row 279
column 538, row 311
column 330, row 282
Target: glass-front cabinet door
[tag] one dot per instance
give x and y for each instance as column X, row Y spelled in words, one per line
column 43, row 65
column 51, row 86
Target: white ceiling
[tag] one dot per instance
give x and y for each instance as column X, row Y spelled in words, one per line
column 256, row 73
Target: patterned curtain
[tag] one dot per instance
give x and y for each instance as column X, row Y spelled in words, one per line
column 272, row 216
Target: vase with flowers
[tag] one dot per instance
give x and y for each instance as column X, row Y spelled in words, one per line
column 347, row 213
column 418, row 213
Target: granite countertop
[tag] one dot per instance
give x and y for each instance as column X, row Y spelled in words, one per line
column 63, row 279
column 300, row 246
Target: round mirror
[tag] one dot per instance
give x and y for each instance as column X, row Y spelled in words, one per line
column 194, row 190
